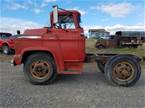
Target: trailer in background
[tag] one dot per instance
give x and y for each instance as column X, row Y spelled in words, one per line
column 131, row 39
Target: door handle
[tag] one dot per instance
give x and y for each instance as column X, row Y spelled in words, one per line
column 51, row 38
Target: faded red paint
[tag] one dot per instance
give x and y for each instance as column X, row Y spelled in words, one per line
column 66, row 46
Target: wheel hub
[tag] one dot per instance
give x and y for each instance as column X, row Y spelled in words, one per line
column 40, row 69
column 123, row 71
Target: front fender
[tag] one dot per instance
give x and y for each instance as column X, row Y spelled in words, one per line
column 18, row 58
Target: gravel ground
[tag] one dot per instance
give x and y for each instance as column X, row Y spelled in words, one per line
column 89, row 90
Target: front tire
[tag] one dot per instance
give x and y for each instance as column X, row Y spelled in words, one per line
column 40, row 68
column 5, row 49
column 122, row 70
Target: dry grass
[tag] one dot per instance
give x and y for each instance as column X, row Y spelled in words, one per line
column 136, row 51
column 90, row 47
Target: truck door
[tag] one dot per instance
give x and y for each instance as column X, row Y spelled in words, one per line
column 68, row 43
column 69, row 37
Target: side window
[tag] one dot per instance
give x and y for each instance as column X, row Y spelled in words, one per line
column 5, row 36
column 0, row 36
column 65, row 22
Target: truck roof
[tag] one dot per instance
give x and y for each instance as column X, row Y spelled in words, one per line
column 67, row 11
column 5, row 33
column 131, row 33
column 98, row 30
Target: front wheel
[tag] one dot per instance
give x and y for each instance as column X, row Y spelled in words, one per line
column 123, row 70
column 5, row 49
column 40, row 68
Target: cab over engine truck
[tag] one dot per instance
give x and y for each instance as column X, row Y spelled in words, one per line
column 60, row 49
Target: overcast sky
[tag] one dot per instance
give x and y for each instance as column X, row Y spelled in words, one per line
column 113, row 15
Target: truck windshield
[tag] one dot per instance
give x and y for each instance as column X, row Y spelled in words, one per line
column 79, row 20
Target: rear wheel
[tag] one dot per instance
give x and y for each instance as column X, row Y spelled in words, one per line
column 123, row 70
column 135, row 46
column 40, row 68
column 101, row 66
column 100, row 47
column 5, row 49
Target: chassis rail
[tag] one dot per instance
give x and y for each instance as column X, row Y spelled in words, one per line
column 103, row 58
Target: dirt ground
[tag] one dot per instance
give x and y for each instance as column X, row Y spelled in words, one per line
column 5, row 58
column 89, row 90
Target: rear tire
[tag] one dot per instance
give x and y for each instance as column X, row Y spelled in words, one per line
column 135, row 46
column 101, row 66
column 5, row 49
column 100, row 47
column 40, row 68
column 123, row 70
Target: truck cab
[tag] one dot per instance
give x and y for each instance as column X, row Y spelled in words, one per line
column 64, row 41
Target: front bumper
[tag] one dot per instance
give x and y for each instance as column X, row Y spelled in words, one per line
column 16, row 60
column 13, row 63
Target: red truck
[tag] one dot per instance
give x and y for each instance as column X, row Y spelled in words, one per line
column 60, row 49
column 6, row 42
